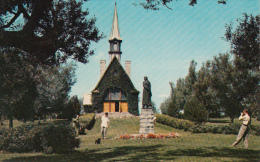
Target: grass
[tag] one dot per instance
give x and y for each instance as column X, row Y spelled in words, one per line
column 189, row 147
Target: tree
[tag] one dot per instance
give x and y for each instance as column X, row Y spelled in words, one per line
column 203, row 89
column 71, row 108
column 18, row 88
column 233, row 86
column 245, row 41
column 195, row 111
column 164, row 106
column 191, row 78
column 49, row 31
column 54, row 85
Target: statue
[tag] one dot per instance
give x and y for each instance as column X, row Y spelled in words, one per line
column 147, row 94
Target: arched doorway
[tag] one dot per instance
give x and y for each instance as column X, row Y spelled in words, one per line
column 115, row 101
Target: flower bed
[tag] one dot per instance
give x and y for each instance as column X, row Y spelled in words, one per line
column 150, row 135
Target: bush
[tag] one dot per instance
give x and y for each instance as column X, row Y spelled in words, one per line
column 187, row 125
column 174, row 122
column 195, row 111
column 215, row 115
column 87, row 121
column 232, row 128
column 48, row 139
column 255, row 129
column 216, row 129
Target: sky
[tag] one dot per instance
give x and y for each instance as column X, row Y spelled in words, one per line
column 160, row 44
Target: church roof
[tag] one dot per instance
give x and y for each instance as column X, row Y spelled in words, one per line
column 115, row 27
column 120, row 79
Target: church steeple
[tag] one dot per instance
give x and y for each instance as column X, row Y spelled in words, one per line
column 115, row 27
column 115, row 40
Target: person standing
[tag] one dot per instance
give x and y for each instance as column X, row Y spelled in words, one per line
column 244, row 129
column 104, row 125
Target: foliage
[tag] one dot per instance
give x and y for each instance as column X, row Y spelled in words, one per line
column 195, row 111
column 164, row 106
column 156, row 4
column 51, row 31
column 87, row 120
column 71, row 108
column 232, row 128
column 174, row 122
column 54, row 85
column 18, row 87
column 233, row 86
column 47, row 139
column 244, row 41
column 204, row 91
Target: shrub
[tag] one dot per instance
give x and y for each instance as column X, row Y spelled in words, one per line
column 195, row 111
column 255, row 129
column 48, row 139
column 232, row 128
column 87, row 120
column 174, row 122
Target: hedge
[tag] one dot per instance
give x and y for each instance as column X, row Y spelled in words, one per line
column 49, row 138
column 174, row 122
column 187, row 125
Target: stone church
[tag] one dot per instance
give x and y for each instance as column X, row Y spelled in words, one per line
column 114, row 91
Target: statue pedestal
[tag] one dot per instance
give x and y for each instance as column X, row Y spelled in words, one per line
column 146, row 121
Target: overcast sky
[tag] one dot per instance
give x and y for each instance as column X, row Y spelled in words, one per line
column 160, row 44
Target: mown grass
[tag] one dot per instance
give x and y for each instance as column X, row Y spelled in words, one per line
column 189, row 147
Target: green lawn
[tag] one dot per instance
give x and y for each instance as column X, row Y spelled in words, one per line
column 189, row 147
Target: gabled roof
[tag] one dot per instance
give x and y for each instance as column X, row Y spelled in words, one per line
column 112, row 67
column 115, row 27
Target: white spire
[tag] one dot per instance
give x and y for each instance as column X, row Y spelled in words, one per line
column 115, row 27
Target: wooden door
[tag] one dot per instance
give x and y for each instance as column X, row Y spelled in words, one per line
column 106, row 107
column 113, row 107
column 124, row 106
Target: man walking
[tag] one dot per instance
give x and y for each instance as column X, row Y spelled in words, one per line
column 244, row 129
column 104, row 125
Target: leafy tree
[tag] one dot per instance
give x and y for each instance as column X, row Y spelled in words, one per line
column 195, row 111
column 18, row 88
column 203, row 89
column 245, row 45
column 233, row 86
column 71, row 108
column 245, row 42
column 191, row 78
column 174, row 103
column 164, row 106
column 48, row 31
column 54, row 85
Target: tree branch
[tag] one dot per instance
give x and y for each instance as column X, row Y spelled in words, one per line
column 11, row 21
